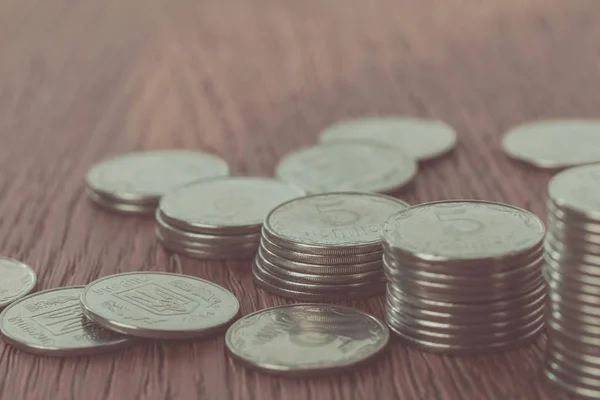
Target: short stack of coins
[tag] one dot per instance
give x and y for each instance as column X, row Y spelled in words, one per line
column 219, row 218
column 325, row 247
column 572, row 273
column 464, row 276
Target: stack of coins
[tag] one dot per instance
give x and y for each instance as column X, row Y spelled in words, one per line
column 219, row 218
column 464, row 276
column 133, row 183
column 572, row 273
column 325, row 247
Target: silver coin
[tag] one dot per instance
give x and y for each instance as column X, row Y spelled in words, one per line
column 121, row 207
column 275, row 341
column 208, row 254
column 159, row 305
column 463, row 230
column 349, row 165
column 225, row 205
column 554, row 143
column 577, row 190
column 423, row 139
column 344, row 223
column 148, row 175
column 209, row 247
column 16, row 280
column 51, row 323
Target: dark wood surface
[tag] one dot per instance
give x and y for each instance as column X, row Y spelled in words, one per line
column 251, row 81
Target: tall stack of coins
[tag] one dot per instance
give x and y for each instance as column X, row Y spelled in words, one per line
column 572, row 275
column 325, row 247
column 219, row 218
column 133, row 183
column 464, row 276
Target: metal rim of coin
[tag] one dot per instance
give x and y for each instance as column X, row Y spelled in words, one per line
column 208, row 246
column 554, row 144
column 148, row 309
column 324, row 211
column 348, row 165
column 74, row 335
column 369, row 335
column 225, row 205
column 450, row 211
column 145, row 176
column 209, row 253
column 18, row 280
column 423, row 139
column 120, row 207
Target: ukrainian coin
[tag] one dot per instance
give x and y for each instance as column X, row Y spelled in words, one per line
column 463, row 230
column 422, row 139
column 555, row 143
column 277, row 341
column 148, row 175
column 343, row 223
column 16, row 280
column 51, row 323
column 159, row 305
column 229, row 205
column 349, row 165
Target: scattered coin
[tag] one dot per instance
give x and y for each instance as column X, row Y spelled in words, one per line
column 464, row 276
column 555, row 143
column 422, row 139
column 349, row 165
column 159, row 305
column 306, row 339
column 135, row 182
column 572, row 274
column 17, row 280
column 51, row 323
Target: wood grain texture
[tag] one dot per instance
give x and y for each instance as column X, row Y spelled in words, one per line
column 251, row 81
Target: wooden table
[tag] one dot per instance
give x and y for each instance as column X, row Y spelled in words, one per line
column 251, row 81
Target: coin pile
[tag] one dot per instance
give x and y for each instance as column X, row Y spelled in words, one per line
column 219, row 218
column 112, row 312
column 464, row 276
column 325, row 247
column 133, row 183
column 572, row 273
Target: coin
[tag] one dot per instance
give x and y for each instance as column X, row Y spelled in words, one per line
column 349, row 165
column 276, row 340
column 423, row 139
column 17, row 280
column 120, row 207
column 159, row 305
column 577, row 190
column 554, row 143
column 148, row 175
column 229, row 205
column 51, row 323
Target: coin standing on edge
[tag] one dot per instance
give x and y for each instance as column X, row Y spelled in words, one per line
column 159, row 305
column 348, row 165
column 420, row 138
column 306, row 339
column 16, row 280
column 51, row 323
column 554, row 144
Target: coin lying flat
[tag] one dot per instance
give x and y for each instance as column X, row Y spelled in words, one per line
column 306, row 339
column 159, row 305
column 16, row 280
column 51, row 323
column 349, row 165
column 555, row 143
column 143, row 177
column 422, row 139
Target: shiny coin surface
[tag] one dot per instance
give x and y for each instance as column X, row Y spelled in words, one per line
column 16, row 280
column 225, row 205
column 555, row 143
column 349, row 165
column 148, row 175
column 280, row 341
column 159, row 305
column 420, row 138
column 342, row 223
column 51, row 323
